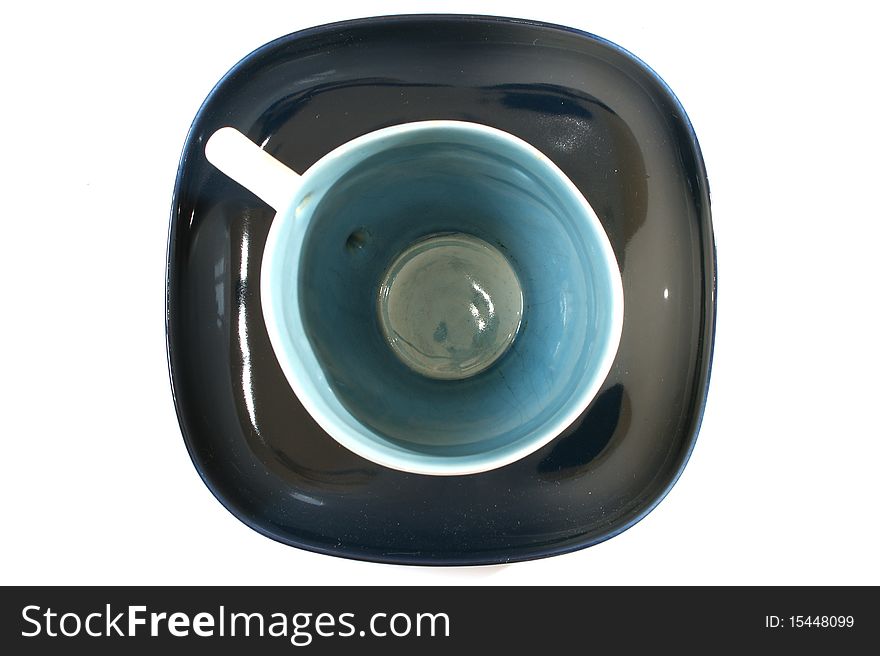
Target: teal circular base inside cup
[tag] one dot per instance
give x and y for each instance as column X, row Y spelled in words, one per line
column 449, row 306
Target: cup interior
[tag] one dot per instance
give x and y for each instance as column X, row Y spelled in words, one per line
column 358, row 211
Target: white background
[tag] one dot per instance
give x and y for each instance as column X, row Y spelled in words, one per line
column 96, row 485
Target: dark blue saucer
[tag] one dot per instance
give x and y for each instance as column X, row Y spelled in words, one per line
column 610, row 124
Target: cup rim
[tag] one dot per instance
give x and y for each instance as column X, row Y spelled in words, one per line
column 296, row 357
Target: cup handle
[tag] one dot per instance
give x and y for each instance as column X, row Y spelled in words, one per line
column 252, row 167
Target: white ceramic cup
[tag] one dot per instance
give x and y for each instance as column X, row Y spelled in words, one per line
column 496, row 218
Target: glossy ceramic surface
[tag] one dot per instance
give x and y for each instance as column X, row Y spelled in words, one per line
column 450, row 306
column 615, row 130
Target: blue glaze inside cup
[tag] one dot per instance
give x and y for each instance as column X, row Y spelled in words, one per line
column 357, row 211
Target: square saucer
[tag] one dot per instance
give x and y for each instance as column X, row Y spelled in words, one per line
column 617, row 132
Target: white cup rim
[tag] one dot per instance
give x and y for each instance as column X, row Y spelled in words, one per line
column 304, row 372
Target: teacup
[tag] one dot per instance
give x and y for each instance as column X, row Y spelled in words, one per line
column 441, row 298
